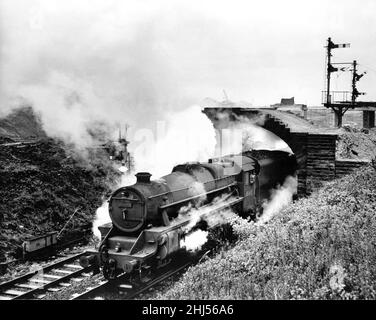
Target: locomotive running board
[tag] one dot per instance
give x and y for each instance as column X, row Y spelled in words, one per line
column 220, row 206
column 172, row 204
column 203, row 212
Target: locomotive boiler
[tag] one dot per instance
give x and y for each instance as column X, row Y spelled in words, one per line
column 150, row 218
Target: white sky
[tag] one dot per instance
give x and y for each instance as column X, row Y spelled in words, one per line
column 179, row 52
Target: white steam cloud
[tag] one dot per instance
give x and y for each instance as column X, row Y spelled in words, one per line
column 245, row 134
column 195, row 240
column 279, row 199
column 101, row 217
column 79, row 62
column 217, row 213
column 185, row 136
column 189, row 135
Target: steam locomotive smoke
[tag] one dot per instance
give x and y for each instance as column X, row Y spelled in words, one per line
column 186, row 135
column 101, row 217
column 195, row 240
column 279, row 199
column 245, row 135
column 127, row 61
column 197, row 189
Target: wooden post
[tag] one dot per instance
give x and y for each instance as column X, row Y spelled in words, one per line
column 338, row 117
column 368, row 119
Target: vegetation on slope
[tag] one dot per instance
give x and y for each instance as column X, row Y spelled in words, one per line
column 321, row 247
column 356, row 143
column 22, row 123
column 42, row 184
column 43, row 181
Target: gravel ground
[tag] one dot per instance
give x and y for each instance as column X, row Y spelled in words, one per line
column 75, row 288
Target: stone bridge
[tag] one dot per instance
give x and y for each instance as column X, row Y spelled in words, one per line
column 314, row 148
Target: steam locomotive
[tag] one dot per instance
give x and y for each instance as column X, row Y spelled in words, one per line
column 150, row 218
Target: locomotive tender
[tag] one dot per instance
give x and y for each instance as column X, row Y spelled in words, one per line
column 150, row 218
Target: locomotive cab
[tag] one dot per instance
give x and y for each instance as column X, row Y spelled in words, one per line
column 246, row 170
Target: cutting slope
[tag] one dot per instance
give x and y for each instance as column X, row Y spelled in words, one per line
column 321, row 247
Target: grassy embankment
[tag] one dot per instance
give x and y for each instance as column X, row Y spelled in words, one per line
column 321, row 247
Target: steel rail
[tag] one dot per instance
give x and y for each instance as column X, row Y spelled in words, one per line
column 14, row 283
column 89, row 292
column 157, row 280
column 96, row 290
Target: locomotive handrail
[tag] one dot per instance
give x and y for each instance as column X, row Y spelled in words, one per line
column 187, row 188
column 194, row 197
column 129, row 199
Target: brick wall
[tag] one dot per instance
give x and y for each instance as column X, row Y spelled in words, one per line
column 321, row 160
column 346, row 166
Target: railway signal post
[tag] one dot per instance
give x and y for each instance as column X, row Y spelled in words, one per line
column 341, row 101
column 330, row 96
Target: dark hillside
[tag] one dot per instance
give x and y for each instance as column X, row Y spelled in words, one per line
column 40, row 187
column 21, row 124
column 43, row 182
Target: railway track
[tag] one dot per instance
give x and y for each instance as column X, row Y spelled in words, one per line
column 129, row 291
column 56, row 276
column 52, row 278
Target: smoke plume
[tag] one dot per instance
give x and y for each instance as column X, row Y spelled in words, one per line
column 187, row 135
column 194, row 240
column 279, row 199
column 78, row 63
column 244, row 134
column 101, row 217
column 214, row 214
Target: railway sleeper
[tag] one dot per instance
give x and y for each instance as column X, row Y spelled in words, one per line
column 28, row 286
column 125, row 286
column 40, row 281
column 14, row 292
column 65, row 284
column 62, row 271
column 73, row 266
column 77, row 279
column 51, row 276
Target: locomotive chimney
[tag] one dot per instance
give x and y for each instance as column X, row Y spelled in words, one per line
column 143, row 177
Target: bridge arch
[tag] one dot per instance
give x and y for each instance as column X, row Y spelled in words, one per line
column 314, row 150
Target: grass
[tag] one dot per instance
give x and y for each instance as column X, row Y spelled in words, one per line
column 321, row 247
